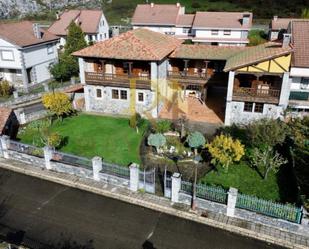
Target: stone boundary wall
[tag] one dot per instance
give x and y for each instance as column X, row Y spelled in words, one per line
column 36, row 161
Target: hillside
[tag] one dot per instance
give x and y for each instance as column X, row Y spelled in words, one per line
column 118, row 11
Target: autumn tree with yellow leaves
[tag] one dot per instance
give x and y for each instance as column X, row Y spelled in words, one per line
column 225, row 150
column 57, row 103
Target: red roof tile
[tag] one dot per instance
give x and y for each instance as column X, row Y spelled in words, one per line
column 88, row 20
column 22, row 35
column 280, row 23
column 231, row 20
column 4, row 116
column 300, row 42
column 164, row 14
column 138, row 44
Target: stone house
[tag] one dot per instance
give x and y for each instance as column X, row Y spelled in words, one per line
column 26, row 53
column 92, row 22
column 158, row 76
column 216, row 28
column 8, row 122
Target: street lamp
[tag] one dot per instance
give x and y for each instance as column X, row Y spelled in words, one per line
column 196, row 161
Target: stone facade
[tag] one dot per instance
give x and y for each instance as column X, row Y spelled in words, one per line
column 107, row 104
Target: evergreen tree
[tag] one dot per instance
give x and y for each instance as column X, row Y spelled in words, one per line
column 75, row 39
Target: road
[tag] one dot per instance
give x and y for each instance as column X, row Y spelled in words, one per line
column 47, row 212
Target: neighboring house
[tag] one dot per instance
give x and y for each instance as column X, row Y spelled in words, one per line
column 299, row 76
column 157, row 76
column 8, row 122
column 92, row 22
column 222, row 28
column 216, row 28
column 279, row 26
column 26, row 53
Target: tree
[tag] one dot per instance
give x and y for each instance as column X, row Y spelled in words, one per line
column 157, row 140
column 225, row 150
column 68, row 65
column 266, row 160
column 305, row 13
column 75, row 39
column 136, row 121
column 58, row 103
column 196, row 140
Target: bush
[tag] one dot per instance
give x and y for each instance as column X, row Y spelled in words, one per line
column 58, row 103
column 157, row 140
column 196, row 140
column 5, row 88
column 163, row 126
column 196, row 5
column 224, row 150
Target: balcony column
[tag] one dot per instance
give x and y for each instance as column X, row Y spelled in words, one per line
column 103, row 66
column 186, row 66
column 81, row 64
column 206, row 68
column 285, row 90
column 130, row 68
column 229, row 97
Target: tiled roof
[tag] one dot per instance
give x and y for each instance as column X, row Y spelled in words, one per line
column 300, row 42
column 231, row 20
column 205, row 52
column 88, row 19
column 280, row 23
column 185, row 20
column 165, row 14
column 138, row 44
column 4, row 116
column 22, row 35
column 256, row 54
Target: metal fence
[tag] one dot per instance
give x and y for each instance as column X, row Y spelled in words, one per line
column 72, row 159
column 26, row 149
column 269, row 208
column 186, row 187
column 115, row 170
column 211, row 193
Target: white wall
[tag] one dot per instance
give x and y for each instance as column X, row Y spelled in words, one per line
column 297, row 86
column 160, row 29
column 201, row 33
column 103, row 30
column 16, row 63
column 299, row 72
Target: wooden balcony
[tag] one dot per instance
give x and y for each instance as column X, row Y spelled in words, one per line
column 256, row 95
column 184, row 76
column 118, row 80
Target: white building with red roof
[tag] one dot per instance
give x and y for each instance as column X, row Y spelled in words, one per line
column 92, row 22
column 216, row 28
column 26, row 53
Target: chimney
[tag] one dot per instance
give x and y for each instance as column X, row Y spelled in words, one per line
column 286, row 40
column 245, row 19
column 178, row 5
column 36, row 30
column 275, row 18
column 151, row 5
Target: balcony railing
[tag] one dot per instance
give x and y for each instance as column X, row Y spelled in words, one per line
column 186, row 75
column 142, row 81
column 246, row 93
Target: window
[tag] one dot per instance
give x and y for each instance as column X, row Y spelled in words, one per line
column 227, row 32
column 185, row 30
column 99, row 93
column 304, row 83
column 123, row 94
column 101, row 37
column 214, row 32
column 299, row 96
column 104, row 35
column 7, row 55
column 140, row 97
column 115, row 94
column 170, row 33
column 248, row 107
column 90, row 37
column 259, row 107
column 50, row 49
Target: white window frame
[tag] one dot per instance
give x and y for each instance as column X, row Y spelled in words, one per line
column 137, row 93
column 215, row 32
column 253, row 107
column 304, row 83
column 227, row 32
column 50, row 49
column 96, row 93
column 7, row 51
column 119, row 94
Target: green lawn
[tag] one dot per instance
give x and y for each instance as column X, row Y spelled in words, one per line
column 246, row 180
column 89, row 136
